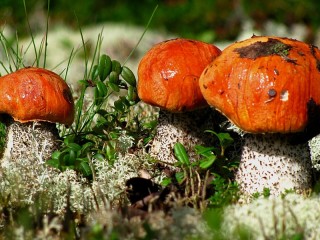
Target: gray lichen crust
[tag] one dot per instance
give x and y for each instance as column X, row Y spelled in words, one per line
column 314, row 145
column 271, row 161
column 36, row 140
column 187, row 128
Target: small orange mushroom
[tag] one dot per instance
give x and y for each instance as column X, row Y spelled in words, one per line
column 36, row 94
column 169, row 74
column 168, row 78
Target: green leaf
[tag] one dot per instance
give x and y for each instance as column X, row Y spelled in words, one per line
column 84, row 82
column 102, row 88
column 68, row 139
column 204, row 151
column 74, row 147
column 110, row 152
column 181, row 154
column 224, row 138
column 128, row 76
column 97, row 98
column 55, row 155
column 166, row 181
column 94, row 73
column 116, row 66
column 70, row 158
column 99, row 157
column 85, row 168
column 114, row 77
column 114, row 87
column 119, row 105
column 53, row 163
column 86, row 147
column 179, row 177
column 131, row 94
column 207, row 162
column 104, row 67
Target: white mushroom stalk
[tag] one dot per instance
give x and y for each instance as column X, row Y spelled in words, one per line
column 33, row 140
column 187, row 128
column 273, row 162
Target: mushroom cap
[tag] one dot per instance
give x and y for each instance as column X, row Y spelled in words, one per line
column 36, row 94
column 265, row 84
column 168, row 74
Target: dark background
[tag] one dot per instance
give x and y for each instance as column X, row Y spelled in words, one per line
column 210, row 19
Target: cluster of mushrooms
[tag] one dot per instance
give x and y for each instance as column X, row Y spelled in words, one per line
column 267, row 86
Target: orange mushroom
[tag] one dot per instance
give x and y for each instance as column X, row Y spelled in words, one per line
column 168, row 78
column 36, row 94
column 169, row 74
column 265, row 84
column 268, row 85
column 36, row 99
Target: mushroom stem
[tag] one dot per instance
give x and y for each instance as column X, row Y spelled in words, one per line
column 187, row 128
column 33, row 140
column 272, row 161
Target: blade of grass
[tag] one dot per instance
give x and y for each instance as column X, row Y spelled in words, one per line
column 144, row 32
column 86, row 118
column 4, row 46
column 84, row 50
column 13, row 57
column 46, row 36
column 80, row 102
column 31, row 34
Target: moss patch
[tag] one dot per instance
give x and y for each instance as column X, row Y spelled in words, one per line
column 263, row 49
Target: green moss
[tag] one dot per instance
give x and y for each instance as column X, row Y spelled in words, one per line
column 264, row 49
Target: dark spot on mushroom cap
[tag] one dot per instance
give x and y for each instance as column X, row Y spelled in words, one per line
column 263, row 49
column 272, row 92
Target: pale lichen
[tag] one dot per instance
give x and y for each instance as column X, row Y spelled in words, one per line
column 314, row 145
column 275, row 218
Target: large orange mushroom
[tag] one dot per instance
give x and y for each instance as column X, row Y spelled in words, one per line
column 35, row 99
column 168, row 78
column 270, row 88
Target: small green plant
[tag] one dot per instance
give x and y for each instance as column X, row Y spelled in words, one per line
column 208, row 181
column 105, row 125
column 99, row 126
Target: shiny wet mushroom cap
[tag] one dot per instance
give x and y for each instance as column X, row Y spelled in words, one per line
column 169, row 74
column 36, row 94
column 265, row 84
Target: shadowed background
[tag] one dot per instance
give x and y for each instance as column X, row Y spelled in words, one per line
column 210, row 20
